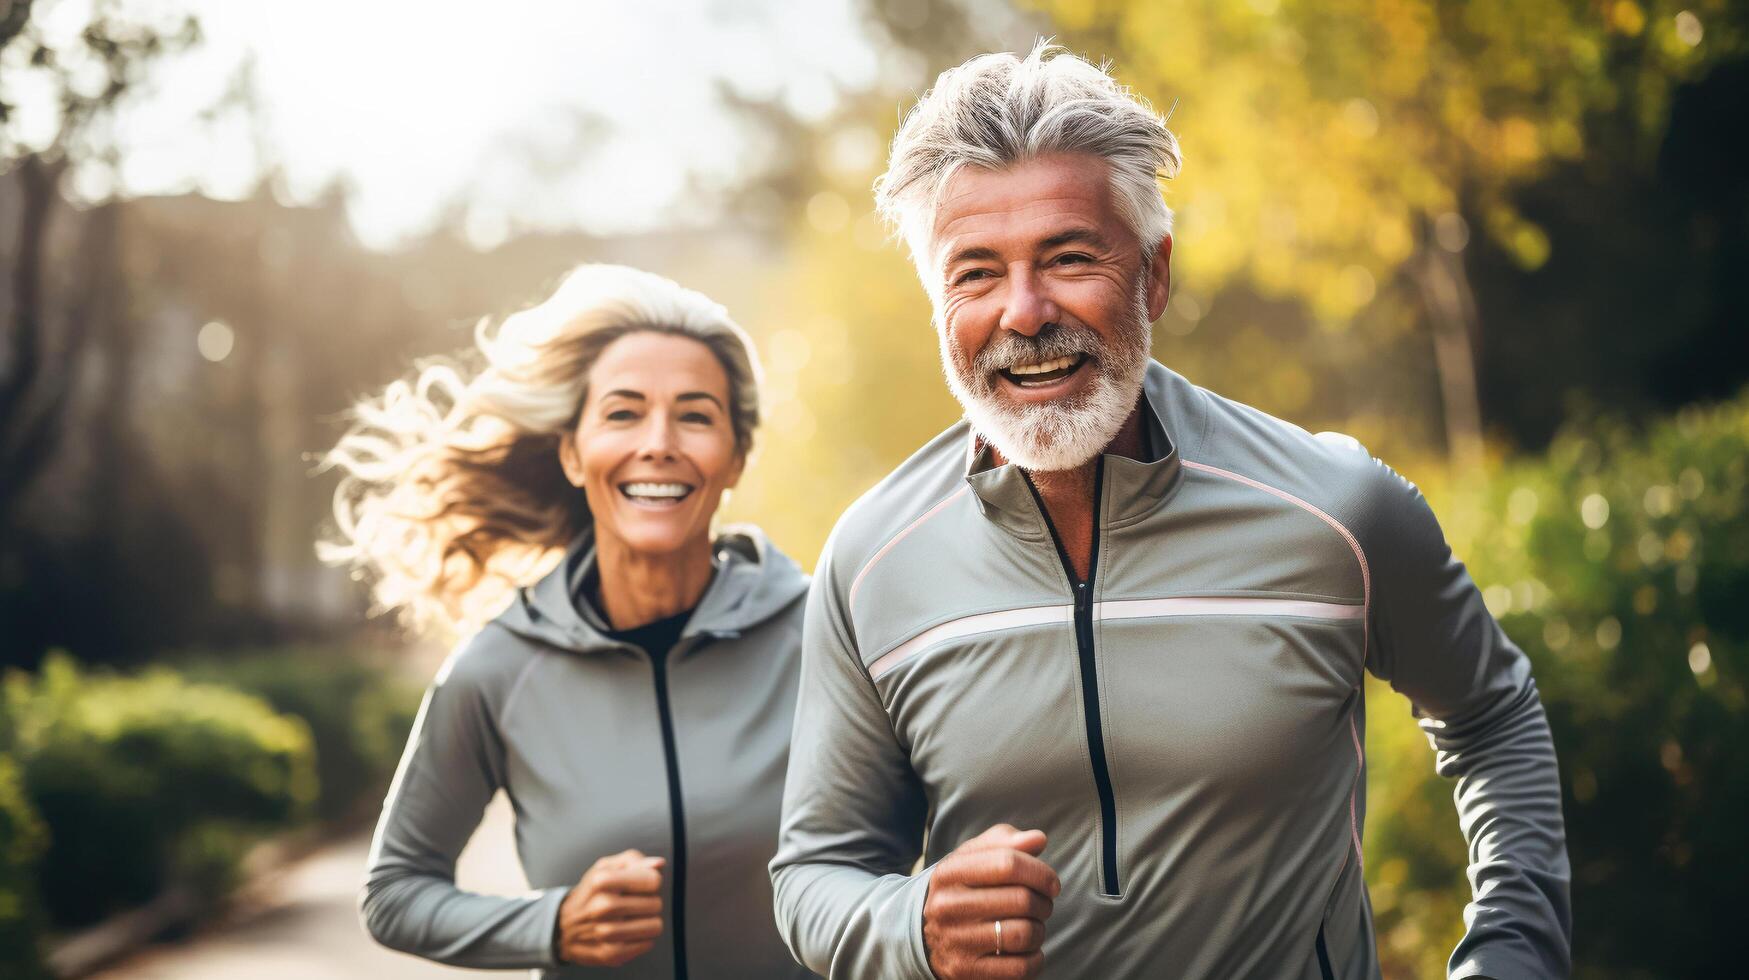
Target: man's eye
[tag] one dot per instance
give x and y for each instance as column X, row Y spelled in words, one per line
column 1073, row 258
column 971, row 275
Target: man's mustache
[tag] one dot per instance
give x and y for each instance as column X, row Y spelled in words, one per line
column 1053, row 340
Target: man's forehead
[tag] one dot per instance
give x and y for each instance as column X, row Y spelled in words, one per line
column 1037, row 198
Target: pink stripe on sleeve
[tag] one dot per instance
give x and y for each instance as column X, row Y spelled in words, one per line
column 872, row 562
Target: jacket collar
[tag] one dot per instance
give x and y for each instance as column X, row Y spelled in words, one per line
column 753, row 582
column 1133, row 488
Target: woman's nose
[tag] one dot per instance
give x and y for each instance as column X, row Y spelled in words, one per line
column 658, row 442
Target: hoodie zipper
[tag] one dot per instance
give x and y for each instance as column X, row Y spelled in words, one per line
column 676, row 810
column 1083, row 594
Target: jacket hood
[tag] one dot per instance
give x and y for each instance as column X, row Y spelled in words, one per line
column 754, row 582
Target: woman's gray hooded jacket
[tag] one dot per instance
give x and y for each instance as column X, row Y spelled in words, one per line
column 589, row 740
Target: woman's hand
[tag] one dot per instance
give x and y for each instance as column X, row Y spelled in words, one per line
column 614, row 914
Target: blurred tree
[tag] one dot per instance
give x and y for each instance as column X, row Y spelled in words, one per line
column 1337, row 150
column 73, row 82
column 1642, row 304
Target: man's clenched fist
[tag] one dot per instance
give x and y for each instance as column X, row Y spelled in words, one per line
column 994, row 877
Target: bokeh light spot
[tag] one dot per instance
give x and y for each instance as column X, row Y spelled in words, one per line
column 1521, row 506
column 1358, row 286
column 1451, row 231
column 215, row 341
column 1361, row 117
column 1688, row 28
column 828, row 212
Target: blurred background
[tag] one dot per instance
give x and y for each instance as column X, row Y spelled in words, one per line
column 1504, row 243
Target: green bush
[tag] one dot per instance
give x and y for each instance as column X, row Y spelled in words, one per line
column 1619, row 561
column 21, row 843
column 149, row 779
column 358, row 712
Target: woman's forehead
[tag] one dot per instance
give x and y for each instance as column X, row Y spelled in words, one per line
column 658, row 363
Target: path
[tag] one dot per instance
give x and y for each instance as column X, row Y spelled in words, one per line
column 307, row 927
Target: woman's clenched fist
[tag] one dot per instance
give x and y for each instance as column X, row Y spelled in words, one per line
column 614, row 913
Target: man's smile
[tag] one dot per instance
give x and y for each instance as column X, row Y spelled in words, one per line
column 1045, row 381
column 1044, row 372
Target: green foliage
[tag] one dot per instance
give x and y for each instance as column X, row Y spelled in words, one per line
column 1323, row 139
column 1619, row 562
column 1415, row 853
column 357, row 711
column 149, row 779
column 22, row 839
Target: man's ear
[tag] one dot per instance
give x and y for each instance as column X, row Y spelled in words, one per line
column 568, row 458
column 1160, row 279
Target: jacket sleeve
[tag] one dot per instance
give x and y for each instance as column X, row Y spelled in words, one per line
column 1437, row 644
column 453, row 763
column 853, row 817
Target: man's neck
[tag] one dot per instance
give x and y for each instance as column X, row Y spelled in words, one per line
column 1067, row 495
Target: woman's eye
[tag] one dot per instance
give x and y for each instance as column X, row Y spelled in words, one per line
column 621, row 415
column 697, row 417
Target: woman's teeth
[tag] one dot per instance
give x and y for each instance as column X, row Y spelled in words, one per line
column 1042, row 367
column 655, row 492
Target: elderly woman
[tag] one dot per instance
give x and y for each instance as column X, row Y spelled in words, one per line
column 634, row 702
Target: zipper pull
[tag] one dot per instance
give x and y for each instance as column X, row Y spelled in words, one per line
column 1081, row 597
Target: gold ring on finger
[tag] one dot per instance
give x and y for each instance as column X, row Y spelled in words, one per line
column 998, row 937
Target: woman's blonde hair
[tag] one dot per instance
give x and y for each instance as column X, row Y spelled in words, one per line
column 451, row 493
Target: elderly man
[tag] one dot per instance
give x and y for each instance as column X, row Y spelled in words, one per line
column 1127, row 615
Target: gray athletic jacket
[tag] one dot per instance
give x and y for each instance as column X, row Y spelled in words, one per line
column 1187, row 729
column 588, row 741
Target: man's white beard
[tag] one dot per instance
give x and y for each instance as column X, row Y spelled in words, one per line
column 1062, row 434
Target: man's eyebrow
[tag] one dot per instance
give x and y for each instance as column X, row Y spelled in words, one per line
column 979, row 253
column 972, row 253
column 1084, row 236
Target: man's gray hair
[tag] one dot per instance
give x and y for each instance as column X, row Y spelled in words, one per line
column 997, row 110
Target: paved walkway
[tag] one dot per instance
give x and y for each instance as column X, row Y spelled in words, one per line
column 307, row 928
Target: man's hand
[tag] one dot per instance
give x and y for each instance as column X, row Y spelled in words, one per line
column 614, row 913
column 994, row 877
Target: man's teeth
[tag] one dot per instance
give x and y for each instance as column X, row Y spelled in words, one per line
column 1043, row 367
column 664, row 491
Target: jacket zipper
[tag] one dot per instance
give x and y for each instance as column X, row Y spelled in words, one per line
column 1083, row 592
column 677, row 812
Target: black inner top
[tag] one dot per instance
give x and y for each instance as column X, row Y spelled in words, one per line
column 655, row 638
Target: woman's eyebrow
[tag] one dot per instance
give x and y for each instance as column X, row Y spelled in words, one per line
column 695, row 395
column 625, row 393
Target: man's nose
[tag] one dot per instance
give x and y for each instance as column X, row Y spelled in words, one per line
column 1029, row 307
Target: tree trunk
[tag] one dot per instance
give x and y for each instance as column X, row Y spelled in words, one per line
column 1451, row 313
column 27, row 428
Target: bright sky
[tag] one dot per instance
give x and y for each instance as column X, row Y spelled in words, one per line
column 538, row 113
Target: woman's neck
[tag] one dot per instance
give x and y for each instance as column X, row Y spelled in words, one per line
column 639, row 588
